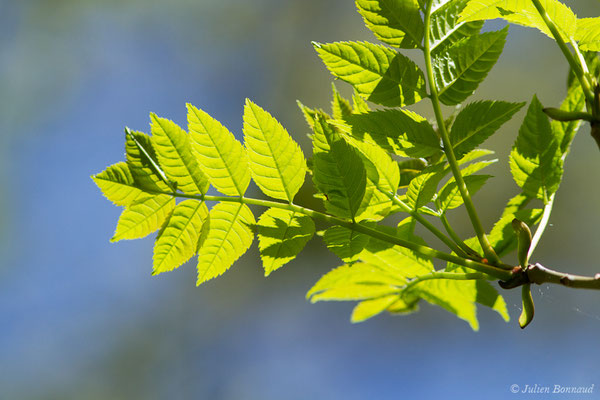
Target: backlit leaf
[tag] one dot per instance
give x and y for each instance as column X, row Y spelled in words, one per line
column 178, row 240
column 345, row 243
column 117, row 184
column 523, row 12
column 339, row 174
column 478, row 121
column 445, row 27
column 143, row 216
column 395, row 22
column 535, row 160
column 378, row 73
column 228, row 238
column 460, row 69
column 588, row 34
column 282, row 235
column 276, row 161
column 174, row 152
column 369, row 308
column 222, row 158
column 401, row 132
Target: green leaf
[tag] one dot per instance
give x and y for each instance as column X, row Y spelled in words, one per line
column 228, row 238
column 478, row 121
column 178, row 240
column 395, row 22
column 383, row 177
column 445, row 27
column 404, row 305
column 339, row 174
column 356, row 282
column 222, row 158
column 143, row 216
column 450, row 196
column 458, row 297
column 174, row 152
column 276, row 161
column 423, row 187
column 588, row 34
column 502, row 236
column 460, row 69
column 565, row 131
column 401, row 132
column 378, row 73
column 359, row 105
column 141, row 159
column 409, row 169
column 535, row 160
column 117, row 184
column 345, row 243
column 369, row 308
column 405, row 262
column 340, row 107
column 309, row 113
column 523, row 12
column 282, row 235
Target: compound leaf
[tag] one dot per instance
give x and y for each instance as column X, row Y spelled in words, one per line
column 222, row 158
column 282, row 235
column 276, row 161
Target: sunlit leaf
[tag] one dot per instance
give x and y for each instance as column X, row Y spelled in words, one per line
column 460, row 69
column 523, row 12
column 478, row 121
column 369, row 308
column 378, row 73
column 445, row 27
column 228, row 238
column 345, row 243
column 276, row 161
column 339, row 174
column 395, row 22
column 588, row 34
column 117, row 184
column 282, row 235
column 222, row 158
column 178, row 240
column 535, row 160
column 174, row 152
column 144, row 216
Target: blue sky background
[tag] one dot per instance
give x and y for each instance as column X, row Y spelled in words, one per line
column 82, row 318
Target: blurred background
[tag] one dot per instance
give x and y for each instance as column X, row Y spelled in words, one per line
column 81, row 318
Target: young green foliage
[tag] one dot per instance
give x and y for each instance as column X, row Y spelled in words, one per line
column 369, row 165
